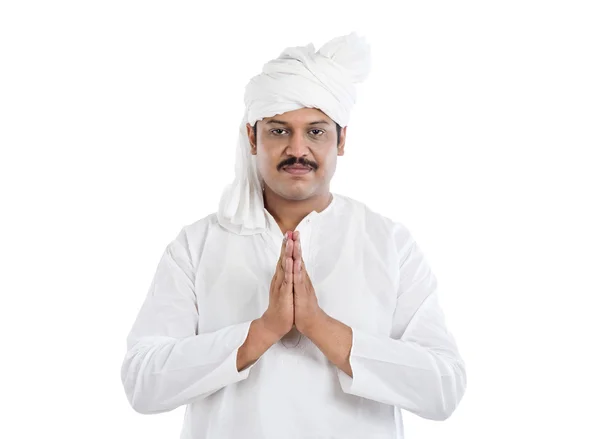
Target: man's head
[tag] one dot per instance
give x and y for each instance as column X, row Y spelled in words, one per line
column 306, row 137
column 302, row 85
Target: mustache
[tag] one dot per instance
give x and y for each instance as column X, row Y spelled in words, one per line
column 294, row 161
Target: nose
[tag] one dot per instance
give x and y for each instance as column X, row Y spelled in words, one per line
column 298, row 145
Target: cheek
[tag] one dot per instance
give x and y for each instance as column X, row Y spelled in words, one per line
column 327, row 164
column 267, row 165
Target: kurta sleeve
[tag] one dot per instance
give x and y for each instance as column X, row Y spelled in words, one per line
column 167, row 363
column 418, row 367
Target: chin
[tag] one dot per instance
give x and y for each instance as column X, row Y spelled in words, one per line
column 295, row 193
column 291, row 189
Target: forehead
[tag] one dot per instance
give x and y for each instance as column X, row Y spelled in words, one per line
column 302, row 116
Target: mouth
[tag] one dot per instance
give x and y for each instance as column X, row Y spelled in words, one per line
column 295, row 170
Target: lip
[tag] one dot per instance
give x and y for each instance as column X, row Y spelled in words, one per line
column 297, row 171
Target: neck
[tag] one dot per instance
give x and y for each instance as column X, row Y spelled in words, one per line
column 288, row 213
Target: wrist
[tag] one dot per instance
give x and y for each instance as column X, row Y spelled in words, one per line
column 315, row 323
column 266, row 333
column 258, row 341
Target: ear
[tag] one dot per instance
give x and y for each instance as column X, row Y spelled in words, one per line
column 251, row 138
column 340, row 147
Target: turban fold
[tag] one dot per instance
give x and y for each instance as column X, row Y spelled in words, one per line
column 300, row 77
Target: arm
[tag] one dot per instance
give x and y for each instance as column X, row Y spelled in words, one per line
column 259, row 340
column 334, row 339
column 421, row 372
column 168, row 364
column 418, row 367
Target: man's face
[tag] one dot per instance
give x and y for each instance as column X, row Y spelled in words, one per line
column 303, row 137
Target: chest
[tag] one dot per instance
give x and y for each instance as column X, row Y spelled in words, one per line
column 354, row 280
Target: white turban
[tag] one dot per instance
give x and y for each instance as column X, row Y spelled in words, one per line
column 298, row 78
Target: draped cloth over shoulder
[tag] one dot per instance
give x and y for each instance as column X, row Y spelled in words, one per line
column 300, row 77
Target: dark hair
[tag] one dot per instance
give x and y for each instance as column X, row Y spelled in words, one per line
column 338, row 128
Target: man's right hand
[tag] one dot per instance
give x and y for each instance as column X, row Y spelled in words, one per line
column 278, row 319
column 279, row 316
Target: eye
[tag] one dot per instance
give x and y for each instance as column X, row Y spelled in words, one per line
column 277, row 129
column 316, row 130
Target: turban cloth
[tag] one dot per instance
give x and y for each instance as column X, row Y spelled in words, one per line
column 298, row 78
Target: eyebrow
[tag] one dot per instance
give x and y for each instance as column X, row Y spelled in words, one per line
column 272, row 121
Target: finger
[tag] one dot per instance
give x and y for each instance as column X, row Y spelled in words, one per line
column 297, row 250
column 282, row 254
column 296, row 254
column 289, row 250
column 298, row 277
column 296, row 235
column 283, row 243
column 289, row 276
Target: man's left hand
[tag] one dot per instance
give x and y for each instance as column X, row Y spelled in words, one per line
column 307, row 312
column 331, row 336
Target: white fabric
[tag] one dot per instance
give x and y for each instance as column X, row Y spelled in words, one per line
column 298, row 78
column 367, row 271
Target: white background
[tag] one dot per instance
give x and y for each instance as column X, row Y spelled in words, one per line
column 478, row 129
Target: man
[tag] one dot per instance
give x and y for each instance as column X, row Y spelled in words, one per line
column 294, row 312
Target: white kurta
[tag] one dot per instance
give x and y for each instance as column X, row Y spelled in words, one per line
column 367, row 272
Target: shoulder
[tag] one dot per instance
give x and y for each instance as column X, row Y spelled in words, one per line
column 192, row 237
column 376, row 225
column 198, row 230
